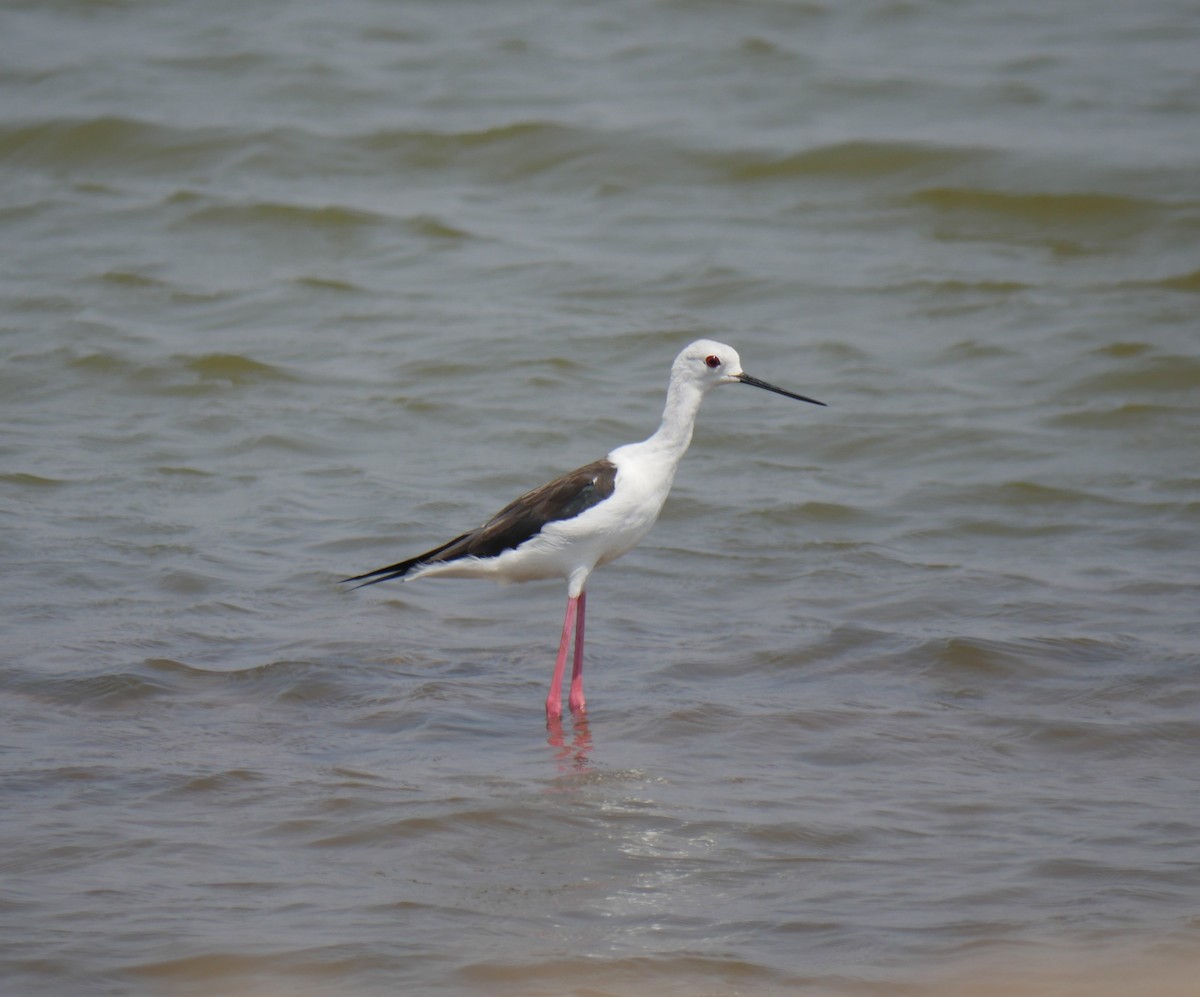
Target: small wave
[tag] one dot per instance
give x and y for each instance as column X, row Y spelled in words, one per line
column 524, row 151
column 235, row 368
column 816, row 512
column 388, row 832
column 113, row 141
column 187, row 583
column 1161, row 373
column 702, row 718
column 851, row 160
column 1119, row 417
column 285, row 220
column 1106, row 737
column 433, row 227
column 1183, row 282
column 961, row 287
column 1024, row 493
column 506, row 152
column 1046, row 208
column 231, row 781
column 327, row 284
column 1188, row 282
column 1056, row 657
column 294, row 682
column 799, row 839
column 211, row 966
column 183, row 374
column 1122, row 350
column 276, row 214
column 279, row 681
column 976, row 657
column 25, row 480
column 126, row 278
column 1067, row 224
column 110, row 691
column 437, row 144
column 972, row 350
column 169, row 666
column 187, row 472
column 511, row 151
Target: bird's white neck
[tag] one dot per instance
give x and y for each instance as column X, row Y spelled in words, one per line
column 674, row 434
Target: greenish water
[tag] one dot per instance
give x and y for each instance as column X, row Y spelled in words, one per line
column 894, row 688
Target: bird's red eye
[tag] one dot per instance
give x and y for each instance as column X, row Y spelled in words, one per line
column 713, row 361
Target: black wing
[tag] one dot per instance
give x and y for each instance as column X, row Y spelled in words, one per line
column 563, row 498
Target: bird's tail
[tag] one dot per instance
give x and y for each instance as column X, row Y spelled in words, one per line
column 402, row 568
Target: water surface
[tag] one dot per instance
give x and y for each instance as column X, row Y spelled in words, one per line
column 900, row 696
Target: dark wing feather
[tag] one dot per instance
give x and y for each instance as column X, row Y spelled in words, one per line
column 401, row 568
column 563, row 498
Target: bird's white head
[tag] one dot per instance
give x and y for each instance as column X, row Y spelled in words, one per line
column 707, row 363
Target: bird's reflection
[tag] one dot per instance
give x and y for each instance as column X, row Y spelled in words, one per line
column 572, row 758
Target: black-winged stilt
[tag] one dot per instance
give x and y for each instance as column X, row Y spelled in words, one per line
column 588, row 517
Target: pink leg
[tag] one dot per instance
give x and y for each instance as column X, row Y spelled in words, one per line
column 575, row 700
column 554, row 698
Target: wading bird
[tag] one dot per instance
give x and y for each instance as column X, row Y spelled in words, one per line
column 589, row 516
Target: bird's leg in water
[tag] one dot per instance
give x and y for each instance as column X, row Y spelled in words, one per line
column 554, row 698
column 575, row 700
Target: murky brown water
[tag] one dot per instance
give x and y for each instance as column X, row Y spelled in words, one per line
column 899, row 697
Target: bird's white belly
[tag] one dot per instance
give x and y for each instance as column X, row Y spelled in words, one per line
column 596, row 536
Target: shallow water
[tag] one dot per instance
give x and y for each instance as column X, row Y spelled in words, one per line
column 898, row 694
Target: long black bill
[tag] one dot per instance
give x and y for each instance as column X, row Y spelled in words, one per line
column 747, row 379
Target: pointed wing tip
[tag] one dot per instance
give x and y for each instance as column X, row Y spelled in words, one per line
column 367, row 579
